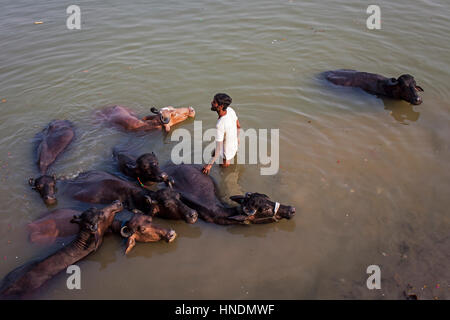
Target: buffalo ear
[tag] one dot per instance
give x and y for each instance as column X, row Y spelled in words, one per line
column 31, row 182
column 419, row 88
column 241, row 218
column 392, row 82
column 75, row 219
column 238, row 199
column 154, row 110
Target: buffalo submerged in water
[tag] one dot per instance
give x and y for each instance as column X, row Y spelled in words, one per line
column 404, row 87
column 134, row 227
column 199, row 192
column 163, row 118
column 93, row 223
column 51, row 142
column 253, row 208
column 101, row 187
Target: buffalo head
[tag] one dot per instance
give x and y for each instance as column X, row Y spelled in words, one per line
column 170, row 116
column 258, row 208
column 165, row 114
column 46, row 187
column 147, row 167
column 141, row 229
column 405, row 88
column 96, row 221
column 167, row 204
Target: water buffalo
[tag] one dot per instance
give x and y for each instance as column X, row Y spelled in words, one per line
column 50, row 143
column 404, row 87
column 101, row 187
column 198, row 191
column 128, row 120
column 132, row 226
column 93, row 224
column 145, row 168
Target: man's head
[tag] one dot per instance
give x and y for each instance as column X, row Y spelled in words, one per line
column 221, row 101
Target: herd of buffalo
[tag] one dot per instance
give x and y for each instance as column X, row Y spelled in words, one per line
column 186, row 193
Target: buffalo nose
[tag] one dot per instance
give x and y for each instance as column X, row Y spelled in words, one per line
column 49, row 199
column 171, row 235
column 291, row 211
column 193, row 216
column 418, row 100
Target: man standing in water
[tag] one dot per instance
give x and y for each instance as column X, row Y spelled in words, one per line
column 228, row 128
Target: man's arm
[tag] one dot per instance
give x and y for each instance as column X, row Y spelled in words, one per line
column 220, row 135
column 207, row 168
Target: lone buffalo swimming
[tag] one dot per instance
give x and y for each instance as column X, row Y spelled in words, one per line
column 51, row 142
column 135, row 227
column 164, row 118
column 404, row 87
column 93, row 224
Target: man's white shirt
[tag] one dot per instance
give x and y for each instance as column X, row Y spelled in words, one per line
column 227, row 132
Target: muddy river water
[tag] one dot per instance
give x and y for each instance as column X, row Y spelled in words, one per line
column 369, row 177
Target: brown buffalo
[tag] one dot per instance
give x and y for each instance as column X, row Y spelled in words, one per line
column 139, row 228
column 93, row 224
column 164, row 118
column 404, row 87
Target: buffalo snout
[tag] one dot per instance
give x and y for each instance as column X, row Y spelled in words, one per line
column 290, row 212
column 171, row 235
column 49, row 200
column 417, row 100
column 191, row 216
